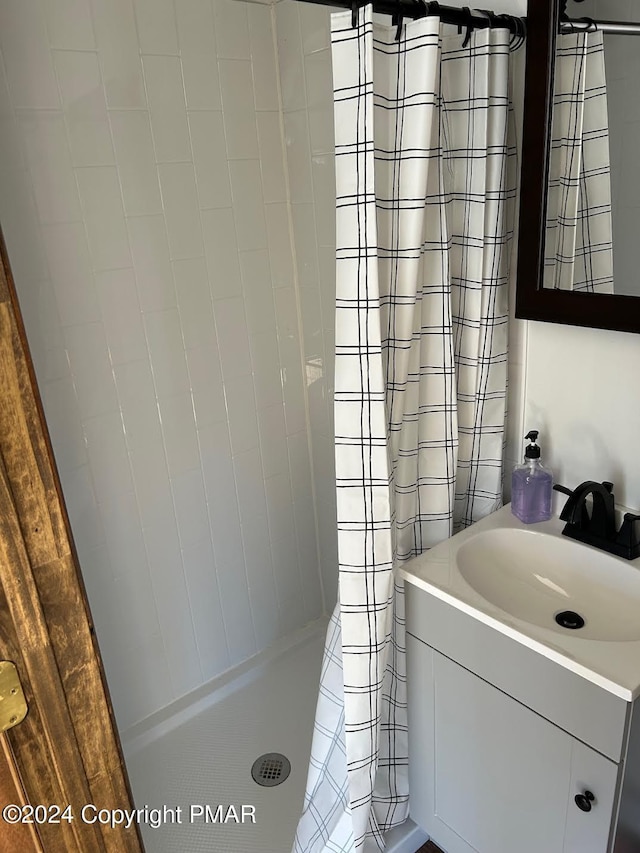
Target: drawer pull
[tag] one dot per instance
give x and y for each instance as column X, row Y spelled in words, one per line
column 583, row 801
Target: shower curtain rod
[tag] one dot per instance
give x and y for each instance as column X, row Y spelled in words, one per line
column 587, row 25
column 476, row 19
column 480, row 20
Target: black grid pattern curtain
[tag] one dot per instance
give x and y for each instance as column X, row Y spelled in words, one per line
column 579, row 239
column 425, row 176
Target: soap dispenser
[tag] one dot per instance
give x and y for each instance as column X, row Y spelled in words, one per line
column 531, row 485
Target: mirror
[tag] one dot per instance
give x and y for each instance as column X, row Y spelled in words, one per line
column 558, row 281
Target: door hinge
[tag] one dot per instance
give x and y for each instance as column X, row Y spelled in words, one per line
column 13, row 705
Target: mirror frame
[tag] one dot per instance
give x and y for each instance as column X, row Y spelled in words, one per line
column 533, row 302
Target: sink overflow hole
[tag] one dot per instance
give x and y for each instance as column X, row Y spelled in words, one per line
column 270, row 769
column 570, row 619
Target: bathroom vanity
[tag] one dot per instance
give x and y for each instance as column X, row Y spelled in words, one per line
column 524, row 735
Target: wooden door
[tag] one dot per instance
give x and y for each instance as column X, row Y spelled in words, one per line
column 66, row 751
column 14, row 836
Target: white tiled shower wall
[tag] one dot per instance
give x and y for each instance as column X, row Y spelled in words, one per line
column 303, row 38
column 144, row 201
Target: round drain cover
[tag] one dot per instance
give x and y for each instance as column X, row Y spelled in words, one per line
column 270, row 769
column 570, row 619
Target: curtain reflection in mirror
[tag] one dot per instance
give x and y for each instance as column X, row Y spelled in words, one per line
column 579, row 245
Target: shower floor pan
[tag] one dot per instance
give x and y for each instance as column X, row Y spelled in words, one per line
column 202, row 755
column 203, row 764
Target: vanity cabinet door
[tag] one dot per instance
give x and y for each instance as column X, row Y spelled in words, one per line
column 488, row 775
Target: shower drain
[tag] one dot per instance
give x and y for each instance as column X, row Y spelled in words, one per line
column 270, row 769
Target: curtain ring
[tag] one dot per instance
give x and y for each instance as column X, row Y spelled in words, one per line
column 516, row 36
column 591, row 25
column 492, row 16
column 467, row 37
column 520, row 35
column 398, row 20
column 523, row 29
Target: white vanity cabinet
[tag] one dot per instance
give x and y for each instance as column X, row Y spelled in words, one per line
column 502, row 740
column 490, row 775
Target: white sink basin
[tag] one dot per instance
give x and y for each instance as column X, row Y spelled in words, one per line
column 534, row 576
column 516, row 578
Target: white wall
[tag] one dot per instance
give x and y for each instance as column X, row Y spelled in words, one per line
column 581, row 391
column 307, row 96
column 144, row 202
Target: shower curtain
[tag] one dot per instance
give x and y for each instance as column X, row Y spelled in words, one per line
column 425, row 175
column 579, row 242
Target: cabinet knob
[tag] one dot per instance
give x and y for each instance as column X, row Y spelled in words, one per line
column 583, row 801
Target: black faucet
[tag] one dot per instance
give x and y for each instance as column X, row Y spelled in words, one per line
column 598, row 528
